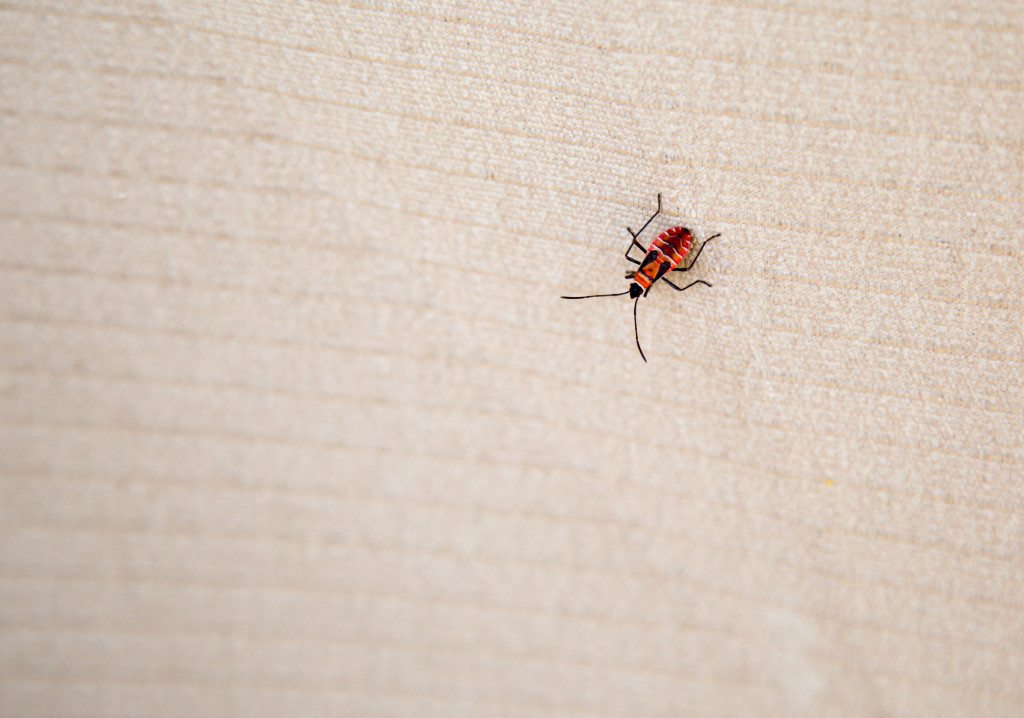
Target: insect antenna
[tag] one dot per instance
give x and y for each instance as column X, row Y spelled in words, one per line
column 636, row 330
column 591, row 296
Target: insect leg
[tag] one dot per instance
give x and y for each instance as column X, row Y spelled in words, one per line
column 694, row 260
column 637, row 234
column 634, row 235
column 633, row 243
column 682, row 289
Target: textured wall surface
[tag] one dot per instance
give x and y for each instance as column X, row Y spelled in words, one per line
column 293, row 422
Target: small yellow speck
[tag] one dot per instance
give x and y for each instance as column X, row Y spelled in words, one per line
column 828, row 482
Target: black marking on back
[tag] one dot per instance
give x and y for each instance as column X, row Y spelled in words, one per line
column 651, row 256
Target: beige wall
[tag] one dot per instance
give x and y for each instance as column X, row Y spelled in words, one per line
column 293, row 422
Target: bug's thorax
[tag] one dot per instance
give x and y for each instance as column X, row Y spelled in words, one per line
column 665, row 253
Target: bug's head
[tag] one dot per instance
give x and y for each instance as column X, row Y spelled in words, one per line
column 635, row 290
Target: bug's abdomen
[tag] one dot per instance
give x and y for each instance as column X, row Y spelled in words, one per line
column 674, row 244
column 668, row 248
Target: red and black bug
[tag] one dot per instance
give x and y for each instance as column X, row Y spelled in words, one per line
column 664, row 255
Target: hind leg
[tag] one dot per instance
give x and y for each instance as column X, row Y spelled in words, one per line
column 637, row 234
column 634, row 235
column 694, row 260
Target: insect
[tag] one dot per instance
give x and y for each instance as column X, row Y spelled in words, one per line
column 664, row 255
